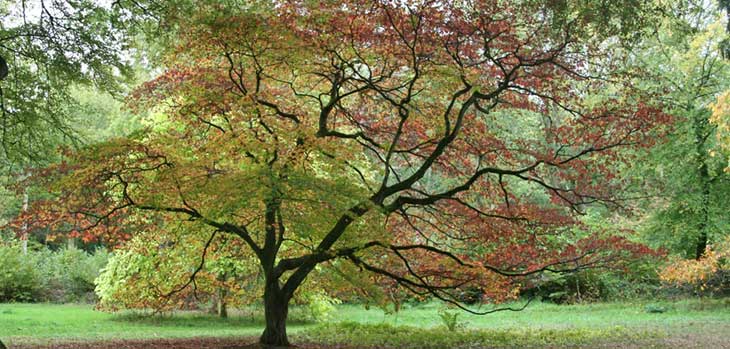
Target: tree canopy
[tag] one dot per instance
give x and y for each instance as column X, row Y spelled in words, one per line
column 433, row 146
column 52, row 47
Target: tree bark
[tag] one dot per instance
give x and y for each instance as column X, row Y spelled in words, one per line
column 276, row 310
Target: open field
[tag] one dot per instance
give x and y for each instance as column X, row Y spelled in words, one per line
column 686, row 324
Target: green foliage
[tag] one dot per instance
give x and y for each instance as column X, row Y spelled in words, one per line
column 42, row 275
column 50, row 48
column 450, row 319
column 605, row 18
column 19, row 278
column 683, row 176
column 114, row 277
column 320, row 306
column 100, row 116
column 68, row 274
column 154, row 270
column 638, row 281
column 384, row 335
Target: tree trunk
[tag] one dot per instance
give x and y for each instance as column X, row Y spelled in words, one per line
column 701, row 135
column 702, row 240
column 222, row 306
column 276, row 310
column 24, row 228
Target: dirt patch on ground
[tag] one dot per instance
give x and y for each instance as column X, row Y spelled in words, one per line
column 177, row 343
column 681, row 341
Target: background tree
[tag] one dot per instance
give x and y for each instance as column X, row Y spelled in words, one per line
column 51, row 46
column 25, row 205
column 54, row 50
column 685, row 174
column 381, row 136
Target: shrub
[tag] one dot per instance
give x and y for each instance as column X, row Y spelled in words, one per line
column 707, row 276
column 320, row 306
column 639, row 280
column 42, row 275
column 450, row 319
column 19, row 277
column 68, row 274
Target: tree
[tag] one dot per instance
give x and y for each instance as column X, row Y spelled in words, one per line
column 721, row 118
column 686, row 171
column 443, row 146
column 52, row 47
column 46, row 49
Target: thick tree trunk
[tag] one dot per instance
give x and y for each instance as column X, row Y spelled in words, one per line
column 276, row 310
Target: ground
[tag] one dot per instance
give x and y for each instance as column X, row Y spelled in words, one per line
column 683, row 324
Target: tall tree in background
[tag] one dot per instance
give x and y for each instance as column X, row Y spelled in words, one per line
column 54, row 52
column 686, row 172
column 51, row 47
column 438, row 145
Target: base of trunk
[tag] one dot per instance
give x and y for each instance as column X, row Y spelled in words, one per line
column 274, row 339
column 276, row 311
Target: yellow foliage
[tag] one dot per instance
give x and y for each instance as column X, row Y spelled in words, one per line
column 721, row 118
column 697, row 272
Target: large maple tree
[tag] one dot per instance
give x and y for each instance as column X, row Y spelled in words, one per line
column 440, row 145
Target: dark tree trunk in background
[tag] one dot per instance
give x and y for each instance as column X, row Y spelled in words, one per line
column 705, row 211
column 702, row 132
column 3, row 74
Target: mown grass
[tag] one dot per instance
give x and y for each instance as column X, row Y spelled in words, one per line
column 540, row 324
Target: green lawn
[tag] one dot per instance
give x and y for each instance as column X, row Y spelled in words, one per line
column 540, row 324
column 26, row 322
column 546, row 315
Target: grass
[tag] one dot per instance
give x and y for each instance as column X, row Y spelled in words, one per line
column 29, row 322
column 552, row 316
column 540, row 324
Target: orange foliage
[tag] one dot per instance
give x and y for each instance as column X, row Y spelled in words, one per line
column 697, row 272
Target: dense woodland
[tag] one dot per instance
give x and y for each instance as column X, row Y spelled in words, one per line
column 212, row 155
